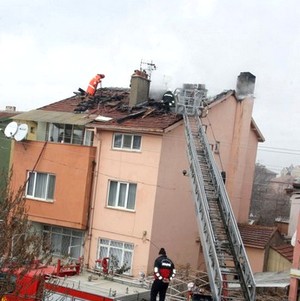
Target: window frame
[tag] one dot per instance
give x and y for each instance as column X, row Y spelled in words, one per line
column 122, row 143
column 49, row 189
column 62, row 237
column 106, row 247
column 66, row 133
column 114, row 197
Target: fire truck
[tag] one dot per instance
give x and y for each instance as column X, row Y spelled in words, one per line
column 69, row 283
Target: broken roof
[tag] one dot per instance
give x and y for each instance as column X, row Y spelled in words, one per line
column 109, row 108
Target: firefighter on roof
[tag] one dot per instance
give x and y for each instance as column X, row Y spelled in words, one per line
column 92, row 87
column 164, row 272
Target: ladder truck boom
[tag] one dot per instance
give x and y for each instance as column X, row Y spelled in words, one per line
column 227, row 265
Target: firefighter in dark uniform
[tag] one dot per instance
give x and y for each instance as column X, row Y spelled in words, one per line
column 164, row 272
column 168, row 100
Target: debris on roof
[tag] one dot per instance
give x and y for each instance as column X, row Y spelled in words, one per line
column 112, row 104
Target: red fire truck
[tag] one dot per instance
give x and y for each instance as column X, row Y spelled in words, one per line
column 67, row 283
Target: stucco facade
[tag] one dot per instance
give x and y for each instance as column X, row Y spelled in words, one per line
column 72, row 166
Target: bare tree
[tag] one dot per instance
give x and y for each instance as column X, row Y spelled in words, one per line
column 21, row 249
column 269, row 199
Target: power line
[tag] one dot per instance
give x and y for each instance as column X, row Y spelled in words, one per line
column 279, row 150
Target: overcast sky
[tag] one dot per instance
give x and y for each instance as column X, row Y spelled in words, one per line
column 50, row 48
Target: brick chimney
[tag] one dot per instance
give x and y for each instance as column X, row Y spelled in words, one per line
column 245, row 85
column 10, row 108
column 139, row 88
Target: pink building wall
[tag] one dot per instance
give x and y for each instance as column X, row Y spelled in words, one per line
column 130, row 226
column 164, row 205
column 174, row 225
column 229, row 123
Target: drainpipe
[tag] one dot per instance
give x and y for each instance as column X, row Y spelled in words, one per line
column 93, row 198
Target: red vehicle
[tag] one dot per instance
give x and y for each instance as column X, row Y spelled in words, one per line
column 57, row 283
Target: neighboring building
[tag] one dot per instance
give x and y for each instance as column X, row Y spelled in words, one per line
column 5, row 142
column 269, row 202
column 294, row 211
column 280, row 258
column 115, row 186
column 295, row 270
column 258, row 241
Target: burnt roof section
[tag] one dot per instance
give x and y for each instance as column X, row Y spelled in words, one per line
column 256, row 236
column 114, row 103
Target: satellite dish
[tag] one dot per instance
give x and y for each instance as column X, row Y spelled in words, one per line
column 21, row 132
column 11, row 129
column 293, row 240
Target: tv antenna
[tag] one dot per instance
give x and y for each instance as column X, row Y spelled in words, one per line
column 149, row 67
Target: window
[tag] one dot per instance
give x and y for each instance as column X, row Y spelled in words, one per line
column 88, row 138
column 66, row 133
column 120, row 253
column 40, row 185
column 127, row 141
column 121, row 195
column 64, row 241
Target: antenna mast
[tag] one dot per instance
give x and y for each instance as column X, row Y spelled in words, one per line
column 149, row 67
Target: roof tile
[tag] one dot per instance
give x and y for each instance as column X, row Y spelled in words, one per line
column 256, row 236
column 286, row 250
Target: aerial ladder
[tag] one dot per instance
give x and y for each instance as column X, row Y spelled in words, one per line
column 227, row 265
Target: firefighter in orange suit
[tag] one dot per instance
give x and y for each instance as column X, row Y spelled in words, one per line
column 92, row 87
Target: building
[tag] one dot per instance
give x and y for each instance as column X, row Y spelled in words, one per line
column 295, row 270
column 5, row 142
column 104, row 176
column 258, row 241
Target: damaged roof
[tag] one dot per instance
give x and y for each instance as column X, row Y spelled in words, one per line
column 108, row 108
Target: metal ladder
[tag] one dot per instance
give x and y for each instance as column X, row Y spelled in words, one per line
column 228, row 269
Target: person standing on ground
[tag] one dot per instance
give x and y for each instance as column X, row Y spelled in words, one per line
column 164, row 272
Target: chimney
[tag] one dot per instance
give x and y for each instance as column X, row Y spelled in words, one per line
column 139, row 88
column 10, row 109
column 245, row 85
